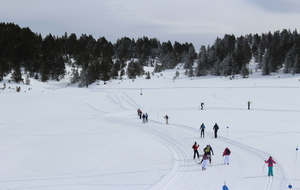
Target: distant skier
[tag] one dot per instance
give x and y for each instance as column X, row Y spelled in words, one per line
column 202, row 128
column 226, row 155
column 167, row 119
column 270, row 163
column 202, row 105
column 139, row 112
column 146, row 115
column 208, row 151
column 195, row 147
column 249, row 103
column 216, row 128
column 144, row 118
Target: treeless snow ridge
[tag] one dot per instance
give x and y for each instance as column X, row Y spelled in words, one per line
column 61, row 137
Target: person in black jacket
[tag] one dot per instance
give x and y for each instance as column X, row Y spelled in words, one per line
column 208, row 151
column 216, row 128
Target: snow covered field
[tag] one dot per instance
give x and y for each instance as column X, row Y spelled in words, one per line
column 62, row 137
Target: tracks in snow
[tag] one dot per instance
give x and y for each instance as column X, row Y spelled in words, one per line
column 181, row 163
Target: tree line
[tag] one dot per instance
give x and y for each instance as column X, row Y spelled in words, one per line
column 25, row 52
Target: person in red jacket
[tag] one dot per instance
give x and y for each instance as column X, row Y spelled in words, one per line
column 226, row 155
column 270, row 163
column 195, row 147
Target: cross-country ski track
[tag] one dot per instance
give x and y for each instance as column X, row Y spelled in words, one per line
column 183, row 162
column 97, row 111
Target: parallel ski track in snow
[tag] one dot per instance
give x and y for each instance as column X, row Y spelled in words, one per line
column 179, row 167
column 180, row 157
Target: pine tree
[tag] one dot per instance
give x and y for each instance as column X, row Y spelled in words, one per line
column 245, row 72
column 148, row 75
column 265, row 64
column 191, row 72
column 17, row 75
column 134, row 69
column 296, row 68
column 4, row 68
column 226, row 66
column 74, row 76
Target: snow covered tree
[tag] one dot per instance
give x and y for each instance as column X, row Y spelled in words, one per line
column 296, row 68
column 202, row 67
column 191, row 72
column 148, row 75
column 189, row 57
column 265, row 64
column 17, row 75
column 226, row 66
column 74, row 78
column 134, row 69
column 245, row 72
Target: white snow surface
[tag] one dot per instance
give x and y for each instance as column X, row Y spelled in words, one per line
column 60, row 137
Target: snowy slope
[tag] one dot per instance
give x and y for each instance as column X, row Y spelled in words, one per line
column 62, row 137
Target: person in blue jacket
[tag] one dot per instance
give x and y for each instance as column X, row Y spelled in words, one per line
column 202, row 128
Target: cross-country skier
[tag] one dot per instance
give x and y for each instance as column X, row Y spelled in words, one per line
column 208, row 151
column 204, row 162
column 202, row 104
column 195, row 147
column 249, row 103
column 216, row 128
column 226, row 155
column 139, row 112
column 270, row 163
column 146, row 117
column 202, row 127
column 167, row 119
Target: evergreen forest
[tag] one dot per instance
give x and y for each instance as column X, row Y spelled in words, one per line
column 25, row 53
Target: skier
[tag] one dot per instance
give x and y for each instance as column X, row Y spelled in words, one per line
column 146, row 115
column 249, row 103
column 195, row 147
column 202, row 104
column 270, row 163
column 139, row 112
column 204, row 162
column 225, row 186
column 208, row 151
column 202, row 127
column 226, row 155
column 216, row 128
column 144, row 118
column 167, row 118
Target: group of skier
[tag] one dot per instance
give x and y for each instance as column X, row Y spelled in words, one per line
column 142, row 115
column 207, row 154
column 215, row 128
column 208, row 151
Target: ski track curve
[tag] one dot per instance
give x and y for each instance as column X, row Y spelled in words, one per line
column 180, row 166
column 180, row 157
